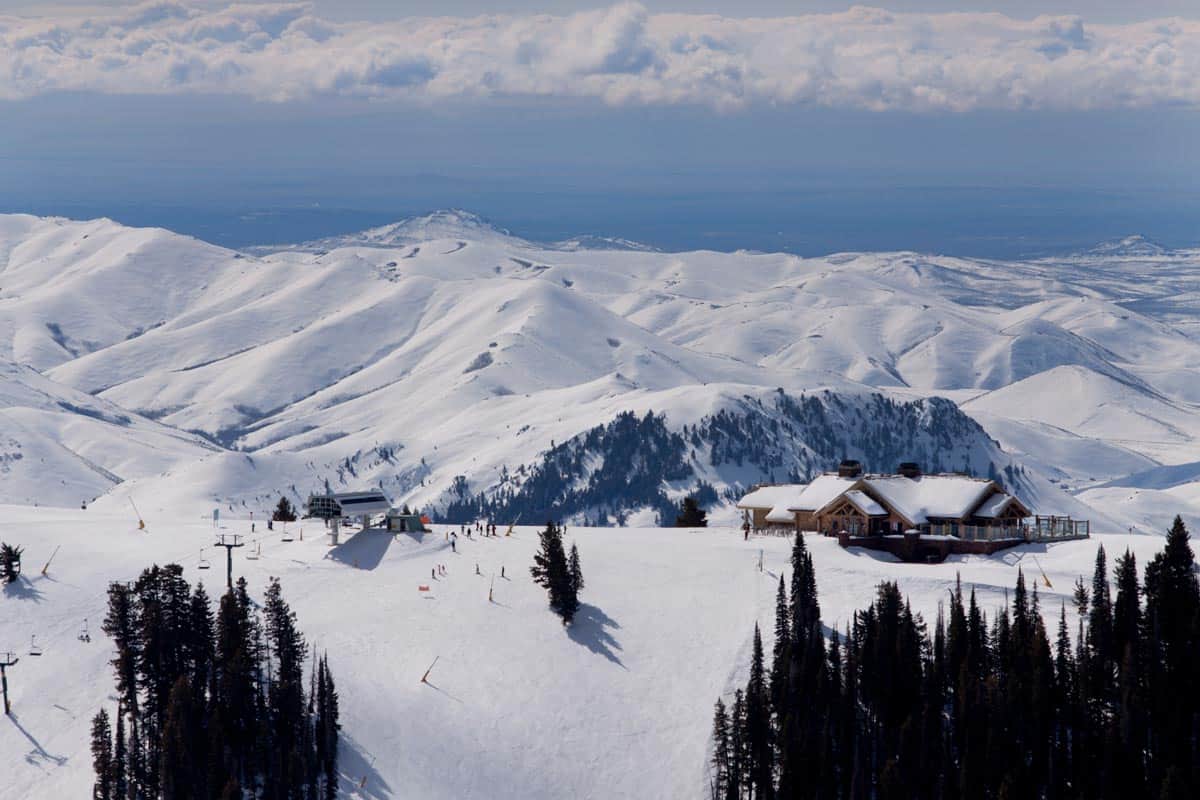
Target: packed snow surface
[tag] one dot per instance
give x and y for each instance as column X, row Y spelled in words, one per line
column 616, row 706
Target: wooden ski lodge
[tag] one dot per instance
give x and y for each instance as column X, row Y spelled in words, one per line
column 911, row 514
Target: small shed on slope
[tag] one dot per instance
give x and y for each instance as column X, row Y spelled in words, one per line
column 401, row 522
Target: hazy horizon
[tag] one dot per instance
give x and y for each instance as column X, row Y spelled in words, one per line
column 970, row 133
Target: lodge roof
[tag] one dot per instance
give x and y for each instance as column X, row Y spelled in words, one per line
column 766, row 497
column 864, row 503
column 927, row 497
column 818, row 493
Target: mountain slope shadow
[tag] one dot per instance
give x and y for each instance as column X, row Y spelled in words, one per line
column 590, row 628
column 363, row 550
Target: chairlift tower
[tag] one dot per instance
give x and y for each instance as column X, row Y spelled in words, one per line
column 6, row 660
column 229, row 541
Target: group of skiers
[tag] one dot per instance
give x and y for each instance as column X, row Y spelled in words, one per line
column 487, row 529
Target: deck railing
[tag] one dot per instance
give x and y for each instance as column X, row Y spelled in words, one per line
column 1039, row 529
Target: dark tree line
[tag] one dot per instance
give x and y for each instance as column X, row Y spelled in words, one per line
column 559, row 574
column 605, row 472
column 983, row 709
column 628, row 464
column 212, row 706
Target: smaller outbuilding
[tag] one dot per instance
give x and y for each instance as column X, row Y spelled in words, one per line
column 764, row 499
column 406, row 522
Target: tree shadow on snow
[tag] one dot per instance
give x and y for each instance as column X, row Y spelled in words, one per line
column 23, row 589
column 358, row 776
column 590, row 628
column 363, row 550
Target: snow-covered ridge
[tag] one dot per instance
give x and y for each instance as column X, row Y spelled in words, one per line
column 444, row 347
column 453, row 223
column 1136, row 245
column 450, row 224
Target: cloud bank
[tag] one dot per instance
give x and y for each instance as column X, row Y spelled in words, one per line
column 863, row 58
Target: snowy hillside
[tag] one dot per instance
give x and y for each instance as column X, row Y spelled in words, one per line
column 59, row 446
column 604, row 709
column 441, row 347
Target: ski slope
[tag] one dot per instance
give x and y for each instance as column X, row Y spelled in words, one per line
column 618, row 706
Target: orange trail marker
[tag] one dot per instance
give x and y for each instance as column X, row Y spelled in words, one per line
column 52, row 555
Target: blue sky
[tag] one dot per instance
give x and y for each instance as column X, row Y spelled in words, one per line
column 972, row 132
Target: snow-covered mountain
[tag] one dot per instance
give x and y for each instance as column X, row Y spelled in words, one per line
column 60, row 445
column 443, row 358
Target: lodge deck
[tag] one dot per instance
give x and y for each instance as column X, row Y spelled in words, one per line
column 940, row 542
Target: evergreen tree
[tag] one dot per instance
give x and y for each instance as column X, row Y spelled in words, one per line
column 327, row 728
column 575, row 569
column 551, row 571
column 10, row 561
column 1127, row 610
column 199, row 643
column 781, row 653
column 738, row 755
column 286, row 706
column 234, row 713
column 760, row 767
column 102, row 757
column 120, row 625
column 720, row 757
column 1100, row 634
column 1173, row 641
column 182, row 765
column 284, row 511
column 120, row 780
column 691, row 515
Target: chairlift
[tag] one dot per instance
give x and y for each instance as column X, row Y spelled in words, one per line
column 34, row 648
column 288, row 536
column 255, row 551
column 84, row 634
column 203, row 564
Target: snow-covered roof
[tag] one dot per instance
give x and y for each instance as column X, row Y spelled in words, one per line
column 780, row 513
column 938, row 496
column 770, row 496
column 823, row 489
column 994, row 506
column 865, row 504
column 363, row 502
